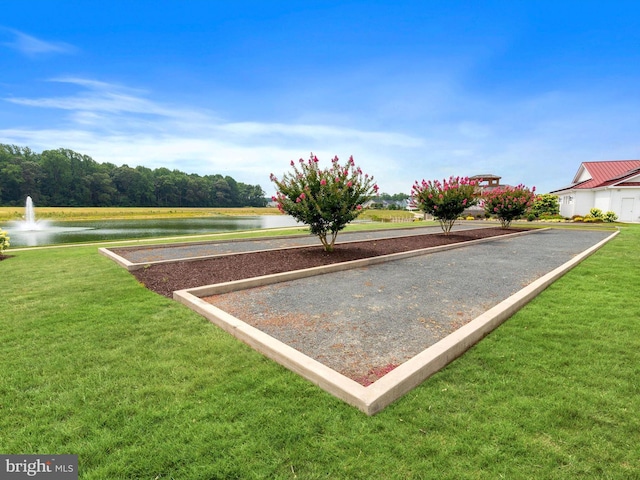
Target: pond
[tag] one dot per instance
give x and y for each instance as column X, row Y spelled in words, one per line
column 55, row 233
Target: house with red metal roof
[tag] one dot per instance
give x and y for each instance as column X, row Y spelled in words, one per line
column 612, row 185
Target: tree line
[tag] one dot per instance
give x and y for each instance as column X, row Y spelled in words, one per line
column 65, row 178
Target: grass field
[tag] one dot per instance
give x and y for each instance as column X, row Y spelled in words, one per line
column 141, row 387
column 117, row 213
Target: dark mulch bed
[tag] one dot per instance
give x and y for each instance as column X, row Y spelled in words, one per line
column 166, row 278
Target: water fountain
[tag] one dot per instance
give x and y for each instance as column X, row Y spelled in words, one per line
column 30, row 223
column 31, row 232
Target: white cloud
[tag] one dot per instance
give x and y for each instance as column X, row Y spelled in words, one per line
column 32, row 46
column 103, row 97
column 318, row 132
column 536, row 140
column 115, row 124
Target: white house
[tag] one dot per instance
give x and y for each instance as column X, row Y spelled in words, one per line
column 610, row 186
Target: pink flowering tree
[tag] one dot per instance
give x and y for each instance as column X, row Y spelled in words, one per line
column 445, row 200
column 326, row 200
column 508, row 203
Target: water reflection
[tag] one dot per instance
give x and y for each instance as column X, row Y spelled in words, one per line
column 78, row 232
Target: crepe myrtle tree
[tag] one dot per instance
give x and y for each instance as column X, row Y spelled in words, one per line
column 508, row 203
column 445, row 200
column 324, row 199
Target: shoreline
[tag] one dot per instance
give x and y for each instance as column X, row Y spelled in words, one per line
column 73, row 214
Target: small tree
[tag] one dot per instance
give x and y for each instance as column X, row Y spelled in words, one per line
column 4, row 241
column 508, row 203
column 445, row 200
column 546, row 204
column 326, row 200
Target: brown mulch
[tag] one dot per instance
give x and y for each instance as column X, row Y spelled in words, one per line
column 168, row 277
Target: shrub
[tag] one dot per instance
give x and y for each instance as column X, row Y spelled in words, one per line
column 508, row 203
column 4, row 241
column 577, row 218
column 445, row 200
column 326, row 200
column 470, row 217
column 596, row 213
column 591, row 219
column 610, row 217
column 545, row 204
column 531, row 217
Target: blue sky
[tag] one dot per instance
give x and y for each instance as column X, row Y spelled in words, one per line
column 412, row 89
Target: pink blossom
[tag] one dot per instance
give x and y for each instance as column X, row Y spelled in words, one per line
column 323, row 182
column 349, row 183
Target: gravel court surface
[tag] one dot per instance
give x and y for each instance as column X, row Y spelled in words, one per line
column 222, row 247
column 367, row 320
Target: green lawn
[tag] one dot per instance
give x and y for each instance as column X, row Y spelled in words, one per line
column 141, row 387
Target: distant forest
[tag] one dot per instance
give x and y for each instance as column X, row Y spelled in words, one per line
column 64, row 178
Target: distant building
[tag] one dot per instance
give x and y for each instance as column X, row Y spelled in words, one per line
column 488, row 182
